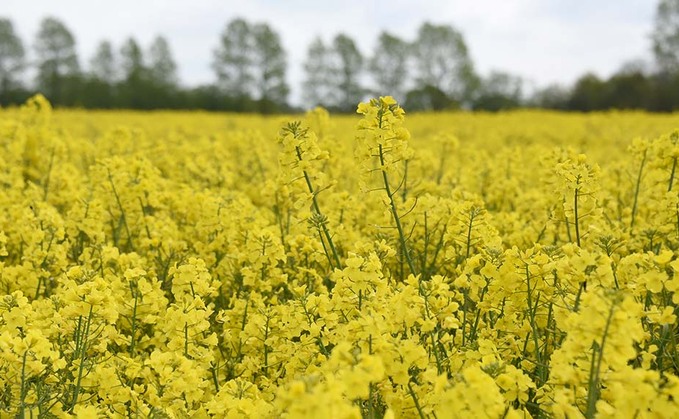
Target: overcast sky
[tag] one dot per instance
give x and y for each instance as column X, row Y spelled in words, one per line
column 545, row 41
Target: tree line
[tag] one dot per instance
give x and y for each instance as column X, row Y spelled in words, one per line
column 433, row 71
column 250, row 66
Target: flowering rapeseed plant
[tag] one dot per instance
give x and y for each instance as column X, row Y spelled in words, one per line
column 450, row 265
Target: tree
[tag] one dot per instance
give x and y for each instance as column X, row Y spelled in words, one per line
column 629, row 90
column 634, row 66
column 135, row 76
column 318, row 74
column 389, row 65
column 429, row 98
column 98, row 89
column 499, row 91
column 588, row 94
column 665, row 92
column 11, row 59
column 665, row 36
column 347, row 67
column 57, row 60
column 162, row 66
column 269, row 65
column 233, row 59
column 442, row 61
column 132, row 60
column 553, row 96
column 103, row 63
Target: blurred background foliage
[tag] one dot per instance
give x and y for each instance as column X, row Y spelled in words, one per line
column 434, row 71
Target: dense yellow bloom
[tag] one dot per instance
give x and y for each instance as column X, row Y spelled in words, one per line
column 460, row 265
column 383, row 140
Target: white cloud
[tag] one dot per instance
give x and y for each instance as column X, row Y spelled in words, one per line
column 544, row 40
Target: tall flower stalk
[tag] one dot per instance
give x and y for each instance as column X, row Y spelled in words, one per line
column 299, row 160
column 383, row 147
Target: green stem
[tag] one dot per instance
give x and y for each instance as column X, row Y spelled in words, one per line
column 636, row 191
column 134, row 320
column 531, row 315
column 417, row 403
column 578, row 295
column 317, row 210
column 674, row 168
column 266, row 347
column 122, row 210
column 23, row 383
column 395, row 215
column 46, row 186
column 423, row 269
column 186, row 340
column 215, row 380
column 593, row 391
column 469, row 233
column 577, row 219
column 82, row 352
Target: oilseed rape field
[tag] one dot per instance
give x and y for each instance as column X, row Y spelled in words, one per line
column 380, row 265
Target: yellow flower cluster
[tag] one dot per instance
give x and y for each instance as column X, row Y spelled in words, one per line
column 199, row 265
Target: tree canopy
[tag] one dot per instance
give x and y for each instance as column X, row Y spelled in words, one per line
column 432, row 71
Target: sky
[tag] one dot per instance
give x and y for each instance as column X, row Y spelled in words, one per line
column 544, row 41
